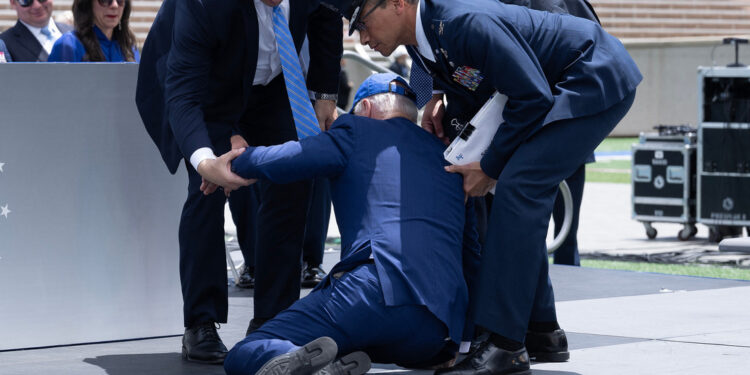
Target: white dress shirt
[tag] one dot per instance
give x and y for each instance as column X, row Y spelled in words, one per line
column 46, row 42
column 268, row 65
column 423, row 45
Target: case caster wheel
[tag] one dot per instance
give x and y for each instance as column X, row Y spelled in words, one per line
column 650, row 231
column 714, row 234
column 687, row 232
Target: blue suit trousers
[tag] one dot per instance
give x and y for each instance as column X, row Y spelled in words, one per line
column 349, row 309
column 514, row 286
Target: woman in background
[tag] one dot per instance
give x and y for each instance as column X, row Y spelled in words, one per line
column 101, row 34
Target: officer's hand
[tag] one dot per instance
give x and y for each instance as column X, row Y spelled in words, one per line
column 476, row 183
column 325, row 111
column 238, row 142
column 432, row 117
column 219, row 172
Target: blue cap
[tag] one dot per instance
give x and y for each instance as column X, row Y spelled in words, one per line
column 383, row 83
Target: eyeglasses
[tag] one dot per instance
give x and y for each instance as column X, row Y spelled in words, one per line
column 108, row 3
column 28, row 3
column 358, row 23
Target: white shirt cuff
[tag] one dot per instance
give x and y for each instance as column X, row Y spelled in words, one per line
column 435, row 92
column 200, row 155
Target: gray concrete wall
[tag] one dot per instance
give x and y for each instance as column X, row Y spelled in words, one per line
column 88, row 251
column 669, row 92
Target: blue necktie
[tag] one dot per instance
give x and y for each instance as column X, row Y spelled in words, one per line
column 302, row 110
column 46, row 32
column 421, row 82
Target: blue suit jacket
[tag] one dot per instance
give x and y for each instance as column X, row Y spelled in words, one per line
column 198, row 64
column 5, row 52
column 551, row 66
column 394, row 202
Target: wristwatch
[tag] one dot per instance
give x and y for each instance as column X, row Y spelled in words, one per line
column 324, row 96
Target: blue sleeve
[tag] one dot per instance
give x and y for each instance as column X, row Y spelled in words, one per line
column 324, row 155
column 136, row 55
column 503, row 57
column 188, row 71
column 67, row 49
column 5, row 51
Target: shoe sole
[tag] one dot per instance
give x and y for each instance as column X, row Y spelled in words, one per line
column 356, row 363
column 188, row 358
column 306, row 360
column 550, row 357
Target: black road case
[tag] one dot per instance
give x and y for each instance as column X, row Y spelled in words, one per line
column 724, row 150
column 663, row 179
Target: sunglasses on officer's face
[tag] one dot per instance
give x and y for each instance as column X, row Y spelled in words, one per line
column 108, row 3
column 358, row 23
column 27, row 3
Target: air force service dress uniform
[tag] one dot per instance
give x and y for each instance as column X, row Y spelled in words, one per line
column 195, row 89
column 401, row 218
column 568, row 83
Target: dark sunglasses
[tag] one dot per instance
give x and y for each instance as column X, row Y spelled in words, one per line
column 27, row 3
column 358, row 23
column 108, row 3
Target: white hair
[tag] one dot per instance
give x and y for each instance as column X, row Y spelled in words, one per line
column 390, row 105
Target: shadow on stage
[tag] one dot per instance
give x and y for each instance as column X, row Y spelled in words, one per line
column 148, row 364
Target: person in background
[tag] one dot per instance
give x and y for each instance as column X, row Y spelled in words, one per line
column 32, row 37
column 4, row 54
column 102, row 34
column 399, row 65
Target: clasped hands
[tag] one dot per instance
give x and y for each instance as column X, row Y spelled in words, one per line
column 476, row 182
column 218, row 172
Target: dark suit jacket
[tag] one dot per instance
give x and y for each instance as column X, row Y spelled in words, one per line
column 552, row 67
column 22, row 44
column 198, row 64
column 393, row 201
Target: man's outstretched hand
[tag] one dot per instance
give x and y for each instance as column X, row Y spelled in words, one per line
column 218, row 172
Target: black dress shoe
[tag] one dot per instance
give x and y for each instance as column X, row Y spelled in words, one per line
column 308, row 359
column 488, row 359
column 255, row 323
column 246, row 279
column 201, row 343
column 312, row 275
column 547, row 346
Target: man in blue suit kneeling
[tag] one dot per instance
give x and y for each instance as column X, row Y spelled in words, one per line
column 401, row 218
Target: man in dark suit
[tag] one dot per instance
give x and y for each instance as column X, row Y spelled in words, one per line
column 211, row 69
column 32, row 37
column 568, row 84
column 401, row 218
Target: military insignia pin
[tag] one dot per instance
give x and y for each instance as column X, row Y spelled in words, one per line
column 468, row 77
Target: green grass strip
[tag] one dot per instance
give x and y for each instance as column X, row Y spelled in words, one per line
column 719, row 272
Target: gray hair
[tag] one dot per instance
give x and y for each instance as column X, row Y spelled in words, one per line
column 390, row 105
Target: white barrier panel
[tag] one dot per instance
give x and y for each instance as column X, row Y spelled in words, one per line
column 88, row 211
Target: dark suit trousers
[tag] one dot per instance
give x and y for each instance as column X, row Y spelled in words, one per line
column 350, row 310
column 514, row 285
column 243, row 204
column 203, row 264
column 567, row 253
column 318, row 217
column 283, row 207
